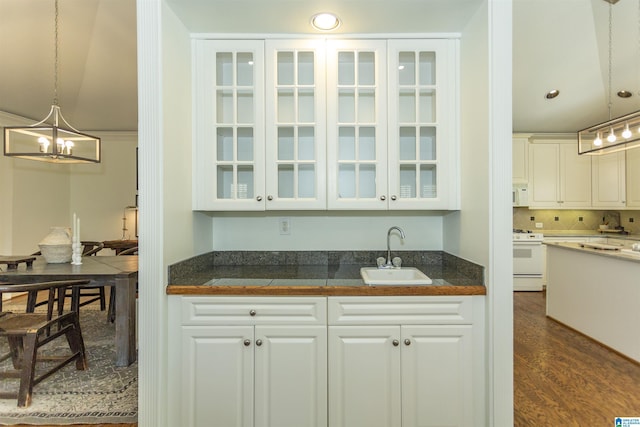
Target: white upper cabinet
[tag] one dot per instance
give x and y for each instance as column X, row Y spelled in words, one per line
column 633, row 178
column 422, row 145
column 608, row 180
column 356, row 105
column 520, row 159
column 558, row 176
column 228, row 154
column 326, row 124
column 295, row 117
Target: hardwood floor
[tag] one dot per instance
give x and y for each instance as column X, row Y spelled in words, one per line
column 562, row 378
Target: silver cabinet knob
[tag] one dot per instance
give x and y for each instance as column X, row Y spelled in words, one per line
column 252, row 312
column 394, row 197
column 247, row 343
column 395, row 343
column 407, row 342
column 258, row 343
column 259, row 198
column 383, row 197
column 269, row 197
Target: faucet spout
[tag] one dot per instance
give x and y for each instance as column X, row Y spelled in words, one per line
column 389, row 263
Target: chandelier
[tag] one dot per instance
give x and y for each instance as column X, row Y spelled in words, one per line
column 617, row 134
column 52, row 139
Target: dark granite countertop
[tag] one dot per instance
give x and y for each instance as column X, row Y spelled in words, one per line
column 316, row 273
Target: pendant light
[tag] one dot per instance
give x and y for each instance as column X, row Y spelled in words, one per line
column 52, row 139
column 622, row 133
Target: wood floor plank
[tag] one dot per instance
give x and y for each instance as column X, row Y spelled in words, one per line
column 564, row 378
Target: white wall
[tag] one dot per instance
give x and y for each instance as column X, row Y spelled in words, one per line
column 467, row 232
column 179, row 233
column 38, row 195
column 326, row 231
column 100, row 192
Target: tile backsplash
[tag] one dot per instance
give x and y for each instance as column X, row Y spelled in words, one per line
column 575, row 220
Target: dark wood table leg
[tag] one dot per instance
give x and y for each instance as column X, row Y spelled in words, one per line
column 125, row 320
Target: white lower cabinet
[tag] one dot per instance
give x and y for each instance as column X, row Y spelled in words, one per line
column 403, row 361
column 386, row 376
column 244, row 362
column 332, row 362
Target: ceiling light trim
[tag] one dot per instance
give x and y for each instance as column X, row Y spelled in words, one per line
column 325, row 21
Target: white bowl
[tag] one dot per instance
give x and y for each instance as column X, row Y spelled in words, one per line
column 603, row 227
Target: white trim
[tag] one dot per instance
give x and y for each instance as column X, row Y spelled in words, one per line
column 500, row 273
column 306, row 36
column 152, row 365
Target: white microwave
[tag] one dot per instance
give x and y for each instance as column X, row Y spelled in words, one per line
column 520, row 195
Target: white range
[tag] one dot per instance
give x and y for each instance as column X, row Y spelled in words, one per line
column 528, row 261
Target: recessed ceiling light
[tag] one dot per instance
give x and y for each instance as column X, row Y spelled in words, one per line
column 552, row 94
column 624, row 94
column 325, row 21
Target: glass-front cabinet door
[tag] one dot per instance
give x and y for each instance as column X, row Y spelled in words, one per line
column 228, row 156
column 356, row 124
column 296, row 124
column 423, row 165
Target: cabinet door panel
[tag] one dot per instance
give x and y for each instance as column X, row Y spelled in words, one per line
column 544, row 175
column 228, row 148
column 296, row 125
column 436, row 371
column 364, row 376
column 609, row 180
column 575, row 177
column 217, row 376
column 356, row 124
column 423, row 171
column 291, row 376
column 633, row 178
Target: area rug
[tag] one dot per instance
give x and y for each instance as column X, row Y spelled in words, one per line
column 101, row 394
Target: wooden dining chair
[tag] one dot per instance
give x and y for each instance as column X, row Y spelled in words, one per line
column 79, row 294
column 28, row 332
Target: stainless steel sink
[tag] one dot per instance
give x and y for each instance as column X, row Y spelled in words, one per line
column 404, row 276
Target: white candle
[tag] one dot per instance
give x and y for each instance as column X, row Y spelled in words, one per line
column 75, row 232
column 78, row 230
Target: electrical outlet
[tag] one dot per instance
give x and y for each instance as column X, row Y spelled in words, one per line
column 630, row 219
column 539, row 225
column 284, row 225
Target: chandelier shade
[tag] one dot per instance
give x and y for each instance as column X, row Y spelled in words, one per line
column 622, row 133
column 52, row 139
column 611, row 136
column 51, row 143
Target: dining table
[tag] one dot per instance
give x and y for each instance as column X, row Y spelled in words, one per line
column 118, row 271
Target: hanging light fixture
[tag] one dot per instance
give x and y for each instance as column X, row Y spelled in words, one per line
column 621, row 133
column 52, row 139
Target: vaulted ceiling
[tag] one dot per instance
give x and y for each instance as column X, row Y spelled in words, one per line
column 557, row 44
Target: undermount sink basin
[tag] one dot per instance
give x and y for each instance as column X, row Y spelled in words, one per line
column 405, row 276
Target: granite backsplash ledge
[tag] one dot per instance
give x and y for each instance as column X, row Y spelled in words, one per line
column 443, row 264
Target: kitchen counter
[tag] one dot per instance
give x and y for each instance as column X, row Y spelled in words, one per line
column 323, row 273
column 597, row 293
column 617, row 254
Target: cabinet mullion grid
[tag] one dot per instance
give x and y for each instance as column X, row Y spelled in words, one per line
column 357, row 124
column 419, row 87
column 296, row 88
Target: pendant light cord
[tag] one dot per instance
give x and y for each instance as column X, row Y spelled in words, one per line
column 610, row 51
column 55, row 58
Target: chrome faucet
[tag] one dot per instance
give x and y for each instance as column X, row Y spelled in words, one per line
column 389, row 263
